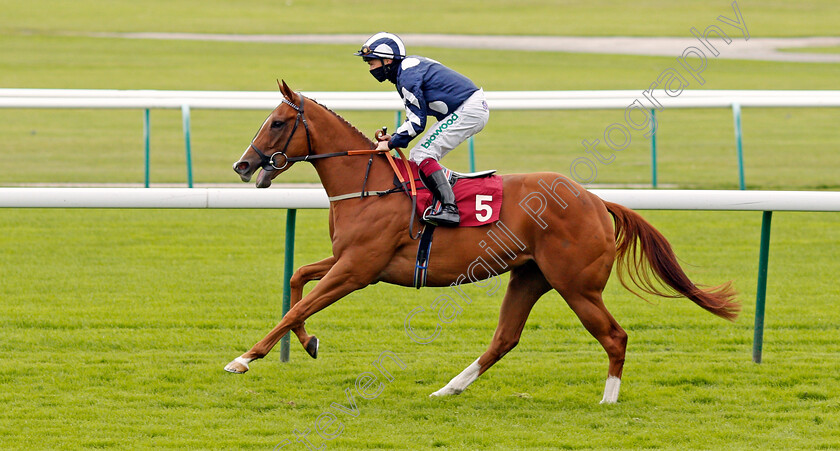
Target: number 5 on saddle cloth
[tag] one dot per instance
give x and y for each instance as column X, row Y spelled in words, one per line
column 479, row 199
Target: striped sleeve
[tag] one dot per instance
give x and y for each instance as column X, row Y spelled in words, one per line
column 415, row 112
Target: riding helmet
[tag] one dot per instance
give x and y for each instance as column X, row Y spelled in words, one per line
column 382, row 45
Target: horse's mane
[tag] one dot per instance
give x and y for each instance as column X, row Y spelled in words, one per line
column 345, row 122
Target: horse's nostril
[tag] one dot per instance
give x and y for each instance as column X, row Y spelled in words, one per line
column 242, row 166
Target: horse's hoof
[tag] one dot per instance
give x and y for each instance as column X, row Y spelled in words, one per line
column 236, row 367
column 312, row 347
column 446, row 391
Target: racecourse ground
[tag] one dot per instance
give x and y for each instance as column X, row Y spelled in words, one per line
column 115, row 324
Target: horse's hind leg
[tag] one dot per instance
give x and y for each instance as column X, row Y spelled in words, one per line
column 583, row 294
column 591, row 311
column 526, row 286
column 303, row 275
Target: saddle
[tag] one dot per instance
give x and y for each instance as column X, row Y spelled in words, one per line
column 479, row 199
column 478, row 195
column 471, row 175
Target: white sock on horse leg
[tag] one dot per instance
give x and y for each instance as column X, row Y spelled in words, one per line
column 460, row 382
column 243, row 361
column 611, row 390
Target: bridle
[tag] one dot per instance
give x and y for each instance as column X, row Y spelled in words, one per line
column 269, row 163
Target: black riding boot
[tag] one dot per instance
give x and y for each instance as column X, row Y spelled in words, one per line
column 440, row 187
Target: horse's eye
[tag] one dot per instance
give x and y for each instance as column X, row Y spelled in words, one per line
column 276, row 124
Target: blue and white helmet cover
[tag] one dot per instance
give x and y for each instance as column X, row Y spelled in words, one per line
column 383, row 45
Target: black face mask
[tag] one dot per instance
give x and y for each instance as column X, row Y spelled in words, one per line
column 379, row 74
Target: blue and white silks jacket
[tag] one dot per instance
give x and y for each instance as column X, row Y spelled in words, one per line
column 428, row 88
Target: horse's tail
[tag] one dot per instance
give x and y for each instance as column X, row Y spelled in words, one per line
column 656, row 254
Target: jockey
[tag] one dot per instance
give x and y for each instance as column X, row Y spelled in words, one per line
column 428, row 88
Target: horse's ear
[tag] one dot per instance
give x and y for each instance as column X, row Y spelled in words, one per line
column 286, row 90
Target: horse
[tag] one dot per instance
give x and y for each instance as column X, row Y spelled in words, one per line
column 570, row 248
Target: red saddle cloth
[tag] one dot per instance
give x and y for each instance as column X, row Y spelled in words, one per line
column 479, row 199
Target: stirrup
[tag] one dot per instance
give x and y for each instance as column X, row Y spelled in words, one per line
column 428, row 213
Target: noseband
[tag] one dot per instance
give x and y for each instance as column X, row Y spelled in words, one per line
column 269, row 163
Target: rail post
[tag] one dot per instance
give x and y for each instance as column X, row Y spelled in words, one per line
column 736, row 116
column 147, row 131
column 472, row 154
column 761, row 289
column 653, row 128
column 288, row 269
column 185, row 114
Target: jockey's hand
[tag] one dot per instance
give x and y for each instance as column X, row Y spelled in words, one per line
column 383, row 146
column 382, row 134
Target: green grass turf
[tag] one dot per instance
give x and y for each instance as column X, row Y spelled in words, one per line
column 784, row 148
column 532, row 17
column 115, row 326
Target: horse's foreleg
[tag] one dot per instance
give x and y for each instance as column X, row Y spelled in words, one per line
column 526, row 286
column 337, row 283
column 303, row 275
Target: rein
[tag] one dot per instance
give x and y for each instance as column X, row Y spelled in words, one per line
column 269, row 162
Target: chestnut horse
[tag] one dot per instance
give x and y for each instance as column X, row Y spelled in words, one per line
column 562, row 237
